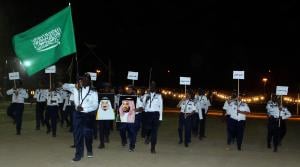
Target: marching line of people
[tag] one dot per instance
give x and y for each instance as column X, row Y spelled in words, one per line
column 79, row 102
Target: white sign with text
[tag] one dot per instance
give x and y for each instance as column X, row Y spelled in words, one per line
column 93, row 76
column 13, row 75
column 282, row 90
column 50, row 70
column 133, row 75
column 238, row 74
column 185, row 81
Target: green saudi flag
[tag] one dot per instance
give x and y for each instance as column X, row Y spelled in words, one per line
column 45, row 43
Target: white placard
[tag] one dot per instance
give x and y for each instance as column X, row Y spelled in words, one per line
column 93, row 76
column 51, row 69
column 185, row 81
column 13, row 75
column 282, row 90
column 238, row 74
column 133, row 75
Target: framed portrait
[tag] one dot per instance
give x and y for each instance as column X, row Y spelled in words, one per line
column 126, row 111
column 105, row 110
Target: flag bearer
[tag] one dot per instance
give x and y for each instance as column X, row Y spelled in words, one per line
column 86, row 104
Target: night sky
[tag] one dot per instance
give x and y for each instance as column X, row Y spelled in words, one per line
column 205, row 39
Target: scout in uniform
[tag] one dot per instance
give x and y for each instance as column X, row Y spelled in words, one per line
column 17, row 106
column 153, row 104
column 238, row 111
column 53, row 99
column 276, row 123
column 41, row 96
column 86, row 104
column 202, row 104
column 187, row 108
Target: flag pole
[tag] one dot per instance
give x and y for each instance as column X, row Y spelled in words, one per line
column 50, row 78
column 185, row 90
column 238, row 96
column 280, row 111
column 76, row 56
column 15, row 85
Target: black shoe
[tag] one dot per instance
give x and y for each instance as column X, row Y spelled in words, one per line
column 153, row 151
column 101, row 146
column 72, row 146
column 48, row 131
column 269, row 146
column 131, row 149
column 37, row 128
column 18, row 133
column 124, row 144
column 90, row 155
column 76, row 159
column 186, row 144
column 180, row 142
column 239, row 149
column 106, row 140
column 147, row 141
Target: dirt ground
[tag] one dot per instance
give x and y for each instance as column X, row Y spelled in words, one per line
column 37, row 149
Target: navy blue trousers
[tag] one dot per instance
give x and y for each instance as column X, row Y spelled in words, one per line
column 202, row 124
column 195, row 123
column 83, row 124
column 151, row 126
column 104, row 130
column 17, row 110
column 237, row 131
column 39, row 114
column 130, row 129
column 229, row 130
column 69, row 113
column 274, row 132
column 137, row 123
column 51, row 114
column 186, row 124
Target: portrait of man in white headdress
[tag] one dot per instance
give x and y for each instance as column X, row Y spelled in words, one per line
column 105, row 110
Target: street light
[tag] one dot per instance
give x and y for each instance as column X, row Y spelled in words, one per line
column 98, row 71
column 265, row 80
